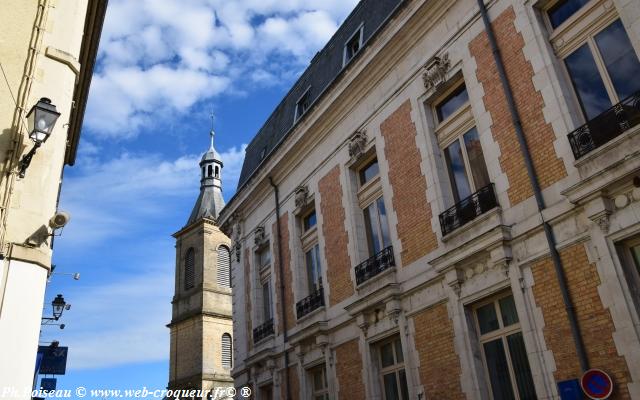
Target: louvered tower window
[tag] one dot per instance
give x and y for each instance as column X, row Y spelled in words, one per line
column 226, row 351
column 224, row 267
column 189, row 269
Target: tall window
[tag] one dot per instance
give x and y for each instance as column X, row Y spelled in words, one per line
column 314, row 273
column 190, row 269
column 601, row 62
column 393, row 378
column 319, row 387
column 629, row 253
column 226, row 351
column 224, row 267
column 311, row 249
column 461, row 145
column 373, row 208
column 503, row 351
column 264, row 263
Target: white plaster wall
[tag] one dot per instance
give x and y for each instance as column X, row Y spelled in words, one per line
column 20, row 326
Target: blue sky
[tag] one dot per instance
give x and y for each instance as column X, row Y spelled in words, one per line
column 163, row 67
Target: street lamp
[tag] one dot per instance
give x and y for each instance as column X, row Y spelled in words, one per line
column 40, row 120
column 59, row 305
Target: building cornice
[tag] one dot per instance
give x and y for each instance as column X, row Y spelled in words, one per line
column 94, row 20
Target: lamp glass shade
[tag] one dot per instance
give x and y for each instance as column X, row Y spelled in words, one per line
column 58, row 306
column 41, row 119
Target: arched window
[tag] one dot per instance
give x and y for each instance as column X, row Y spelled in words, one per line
column 224, row 267
column 189, row 269
column 209, row 171
column 217, row 172
column 226, row 351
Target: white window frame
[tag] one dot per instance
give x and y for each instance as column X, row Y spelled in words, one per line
column 315, row 392
column 368, row 194
column 298, row 114
column 395, row 368
column 501, row 333
column 452, row 129
column 581, row 28
column 358, row 33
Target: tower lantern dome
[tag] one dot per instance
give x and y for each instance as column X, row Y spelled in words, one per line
column 210, row 202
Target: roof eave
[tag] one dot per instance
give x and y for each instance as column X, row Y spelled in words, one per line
column 94, row 21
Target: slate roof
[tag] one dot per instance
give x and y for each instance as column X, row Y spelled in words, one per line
column 325, row 68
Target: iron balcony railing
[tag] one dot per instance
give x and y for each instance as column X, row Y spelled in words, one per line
column 375, row 265
column 606, row 126
column 310, row 303
column 468, row 209
column 263, row 331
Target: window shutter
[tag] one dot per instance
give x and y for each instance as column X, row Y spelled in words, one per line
column 226, row 351
column 189, row 269
column 224, row 268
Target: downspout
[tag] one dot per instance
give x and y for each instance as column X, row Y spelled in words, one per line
column 282, row 305
column 533, row 178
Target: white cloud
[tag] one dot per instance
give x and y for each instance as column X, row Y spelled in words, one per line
column 164, row 56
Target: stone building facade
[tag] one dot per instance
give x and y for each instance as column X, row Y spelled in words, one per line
column 446, row 205
column 47, row 50
column 201, row 326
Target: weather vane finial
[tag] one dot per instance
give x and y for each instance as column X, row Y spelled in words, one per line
column 212, row 133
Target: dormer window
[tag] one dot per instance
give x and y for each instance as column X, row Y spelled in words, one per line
column 303, row 104
column 353, row 46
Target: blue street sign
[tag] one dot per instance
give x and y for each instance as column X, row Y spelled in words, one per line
column 54, row 360
column 48, row 384
column 570, row 390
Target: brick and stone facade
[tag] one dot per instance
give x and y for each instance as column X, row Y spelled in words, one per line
column 429, row 289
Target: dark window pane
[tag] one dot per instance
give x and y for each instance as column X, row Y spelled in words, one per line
column 498, row 370
column 266, row 301
column 386, row 355
column 370, row 171
column 587, row 82
column 384, row 223
column 487, row 318
column 457, row 172
column 635, row 252
column 521, row 368
column 563, row 10
column 620, row 59
column 403, row 385
column 390, row 387
column 370, row 222
column 476, row 159
column 310, row 221
column 399, row 356
column 452, row 103
column 508, row 311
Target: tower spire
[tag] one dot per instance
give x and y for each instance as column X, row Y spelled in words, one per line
column 210, row 202
column 212, row 133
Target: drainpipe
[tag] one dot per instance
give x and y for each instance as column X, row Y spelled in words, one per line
column 533, row 178
column 282, row 305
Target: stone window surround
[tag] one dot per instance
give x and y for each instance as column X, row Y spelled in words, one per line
column 577, row 30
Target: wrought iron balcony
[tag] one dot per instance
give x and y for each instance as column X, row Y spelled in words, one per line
column 310, row 303
column 606, row 126
column 468, row 209
column 375, row 265
column 263, row 331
